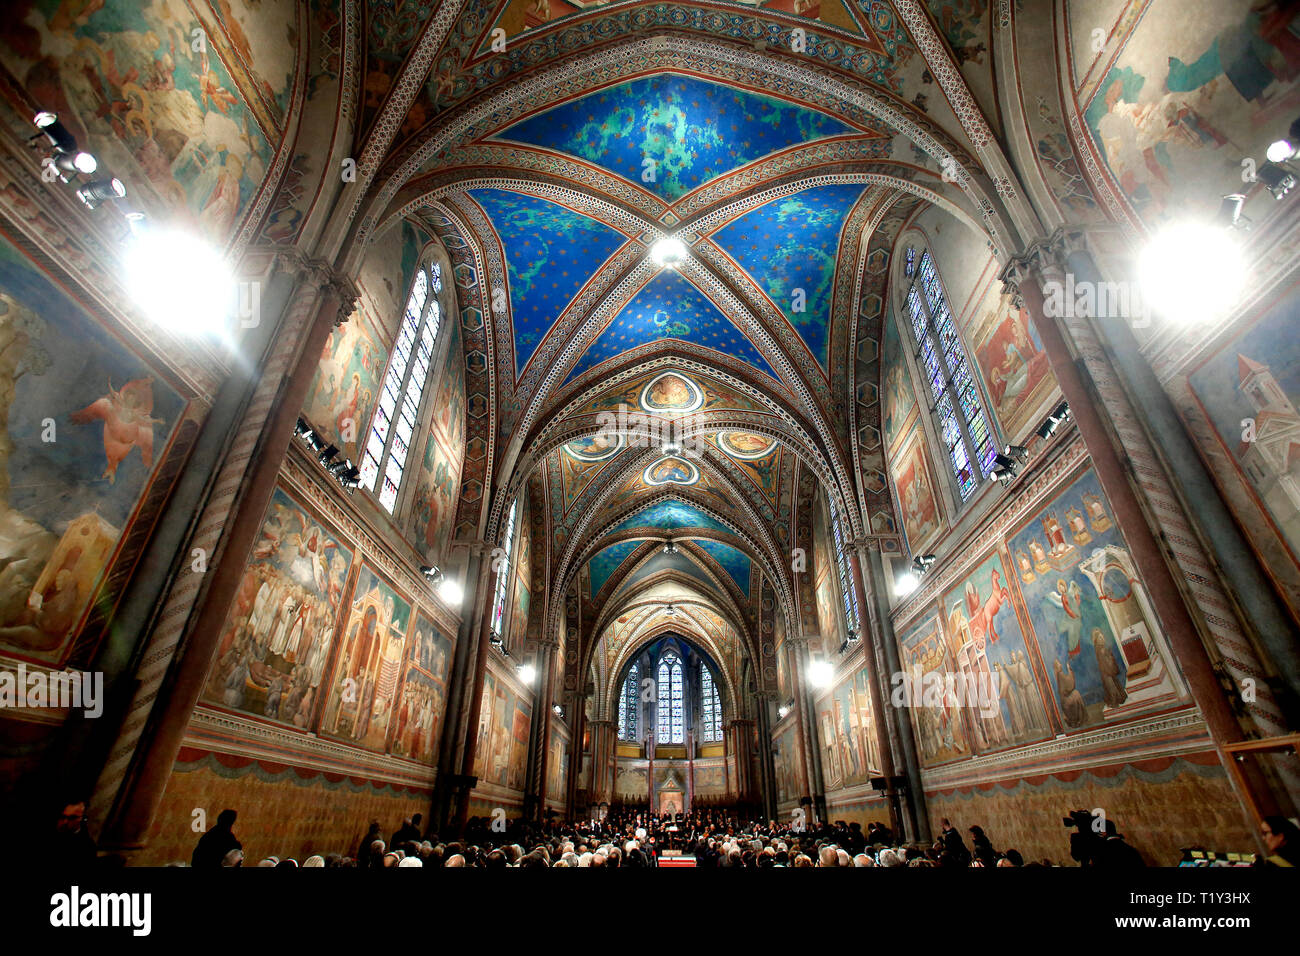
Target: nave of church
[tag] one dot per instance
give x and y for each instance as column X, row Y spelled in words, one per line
column 750, row 433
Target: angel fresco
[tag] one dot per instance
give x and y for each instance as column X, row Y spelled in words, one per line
column 128, row 422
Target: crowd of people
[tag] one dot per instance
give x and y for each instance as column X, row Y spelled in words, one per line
column 627, row 838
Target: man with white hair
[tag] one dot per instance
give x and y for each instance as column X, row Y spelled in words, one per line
column 828, row 857
column 863, row 860
column 410, row 861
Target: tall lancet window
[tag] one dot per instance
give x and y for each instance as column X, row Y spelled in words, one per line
column 670, row 706
column 959, row 415
column 629, row 704
column 394, row 424
column 503, row 576
column 847, row 593
column 710, row 705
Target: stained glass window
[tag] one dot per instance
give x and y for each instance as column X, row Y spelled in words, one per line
column 671, row 707
column 393, row 427
column 847, row 592
column 503, row 573
column 710, row 705
column 628, row 704
column 963, row 426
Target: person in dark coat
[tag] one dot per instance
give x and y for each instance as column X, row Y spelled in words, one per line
column 216, row 843
column 1113, row 853
column 363, row 848
column 954, row 845
column 409, row 830
column 71, row 843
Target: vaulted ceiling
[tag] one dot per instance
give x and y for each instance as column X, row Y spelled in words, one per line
column 550, row 144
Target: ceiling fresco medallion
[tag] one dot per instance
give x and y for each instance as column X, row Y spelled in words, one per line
column 597, row 447
column 671, row 392
column 671, row 471
column 745, row 445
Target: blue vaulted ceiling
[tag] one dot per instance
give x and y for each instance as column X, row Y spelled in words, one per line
column 606, row 561
column 734, row 561
column 791, row 244
column 550, row 253
column 669, row 307
column 667, row 515
column 690, row 130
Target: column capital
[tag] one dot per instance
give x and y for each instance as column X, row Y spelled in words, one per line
column 1043, row 257
column 323, row 275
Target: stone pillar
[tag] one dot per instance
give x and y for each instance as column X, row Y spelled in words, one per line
column 883, row 643
column 806, row 708
column 603, row 733
column 540, row 733
column 187, row 630
column 1027, row 274
column 884, row 729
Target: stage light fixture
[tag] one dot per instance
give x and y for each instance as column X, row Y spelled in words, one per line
column 1278, row 180
column 180, row 281
column 96, row 193
column 55, row 133
column 1004, row 468
column 1283, row 149
column 451, row 592
column 1018, row 452
column 327, row 454
column 557, row 710
column 1230, row 211
column 782, row 712
column 1052, row 423
column 1194, row 271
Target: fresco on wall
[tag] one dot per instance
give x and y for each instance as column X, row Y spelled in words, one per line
column 784, row 679
column 502, row 754
column 825, row 588
column 523, row 574
column 1249, row 388
column 1014, row 366
column 938, row 724
column 898, row 400
column 433, row 509
column 343, row 392
column 369, row 664
column 1098, row 638
column 278, row 636
column 986, row 651
column 846, row 725
column 914, row 483
column 557, row 767
column 1170, row 116
column 125, row 80
column 788, row 761
column 417, row 723
column 84, row 424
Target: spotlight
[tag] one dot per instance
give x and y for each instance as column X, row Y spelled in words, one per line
column 668, row 252
column 434, row 574
column 180, row 281
column 782, row 711
column 495, row 641
column 670, row 610
column 1285, row 149
column 93, row 194
column 922, row 562
column 1278, row 180
column 1193, row 271
column 672, row 448
column 820, row 673
column 669, row 547
column 1230, row 211
column 1059, row 416
column 557, row 710
column 60, row 140
column 527, row 673
column 1018, row 452
column 1004, row 469
column 327, row 454
column 906, row 583
column 450, row 592
column 341, row 469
